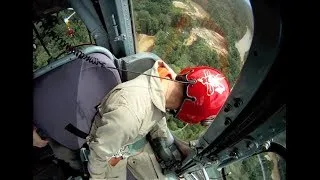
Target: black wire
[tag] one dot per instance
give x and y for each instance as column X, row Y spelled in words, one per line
column 55, row 37
column 149, row 75
column 96, row 61
column 66, row 51
column 93, row 60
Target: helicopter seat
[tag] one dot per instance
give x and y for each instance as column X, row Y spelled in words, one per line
column 66, row 97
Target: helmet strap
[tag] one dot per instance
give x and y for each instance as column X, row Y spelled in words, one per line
column 182, row 78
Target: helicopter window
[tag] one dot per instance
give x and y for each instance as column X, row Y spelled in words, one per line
column 217, row 33
column 266, row 166
column 280, row 139
column 52, row 33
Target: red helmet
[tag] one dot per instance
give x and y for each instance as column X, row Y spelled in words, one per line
column 204, row 95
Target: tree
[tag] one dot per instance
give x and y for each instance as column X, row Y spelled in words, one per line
column 164, row 21
column 161, row 38
column 153, row 8
column 179, row 123
column 172, row 125
column 201, row 54
column 144, row 21
column 153, row 26
column 175, row 68
column 234, row 63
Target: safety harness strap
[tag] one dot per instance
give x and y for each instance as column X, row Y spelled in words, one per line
column 72, row 129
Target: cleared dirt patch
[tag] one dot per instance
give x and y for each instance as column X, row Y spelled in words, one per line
column 199, row 10
column 192, row 9
column 145, row 43
column 275, row 171
column 212, row 36
column 275, row 174
column 213, row 39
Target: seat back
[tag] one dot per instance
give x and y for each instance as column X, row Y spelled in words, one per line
column 67, row 96
column 136, row 64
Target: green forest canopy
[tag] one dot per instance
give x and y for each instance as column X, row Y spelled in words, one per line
column 162, row 20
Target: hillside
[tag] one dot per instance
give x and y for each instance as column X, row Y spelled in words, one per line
column 188, row 33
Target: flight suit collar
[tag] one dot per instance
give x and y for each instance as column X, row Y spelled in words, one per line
column 156, row 89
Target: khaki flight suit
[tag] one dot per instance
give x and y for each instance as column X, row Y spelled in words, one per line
column 126, row 115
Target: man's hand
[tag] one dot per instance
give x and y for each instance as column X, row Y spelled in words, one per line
column 37, row 141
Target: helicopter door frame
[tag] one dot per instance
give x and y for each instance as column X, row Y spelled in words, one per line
column 260, row 78
column 89, row 16
column 118, row 35
column 118, row 17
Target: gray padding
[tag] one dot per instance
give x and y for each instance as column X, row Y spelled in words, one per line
column 69, row 94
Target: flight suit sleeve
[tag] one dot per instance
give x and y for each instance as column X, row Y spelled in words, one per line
column 160, row 129
column 116, row 128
